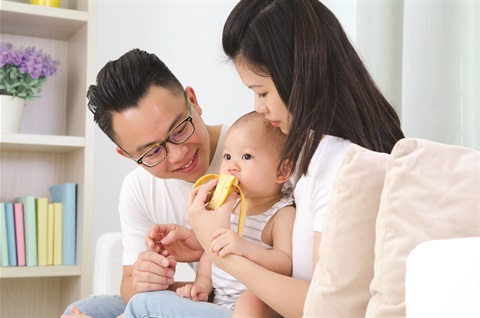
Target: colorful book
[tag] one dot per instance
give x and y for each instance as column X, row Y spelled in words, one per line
column 12, row 245
column 42, row 221
column 30, row 228
column 58, row 227
column 66, row 194
column 3, row 236
column 19, row 233
column 51, row 231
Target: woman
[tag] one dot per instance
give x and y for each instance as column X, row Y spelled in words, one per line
column 308, row 81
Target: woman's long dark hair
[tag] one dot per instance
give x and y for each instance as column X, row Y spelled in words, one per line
column 318, row 74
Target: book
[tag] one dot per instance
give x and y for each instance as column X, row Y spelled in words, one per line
column 50, row 231
column 66, row 194
column 3, row 236
column 19, row 233
column 30, row 228
column 58, row 227
column 42, row 221
column 12, row 245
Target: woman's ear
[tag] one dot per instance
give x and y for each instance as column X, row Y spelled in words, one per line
column 285, row 171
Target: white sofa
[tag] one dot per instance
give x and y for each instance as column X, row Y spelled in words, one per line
column 390, row 219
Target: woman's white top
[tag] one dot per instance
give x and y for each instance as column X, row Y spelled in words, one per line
column 312, row 195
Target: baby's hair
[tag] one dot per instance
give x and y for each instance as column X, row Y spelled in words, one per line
column 273, row 134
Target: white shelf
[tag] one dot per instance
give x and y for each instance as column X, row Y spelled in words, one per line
column 39, row 271
column 40, row 143
column 39, row 21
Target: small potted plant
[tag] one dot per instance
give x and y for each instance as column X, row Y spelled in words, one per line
column 22, row 74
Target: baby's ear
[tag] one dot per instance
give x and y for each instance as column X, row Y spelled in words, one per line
column 285, row 171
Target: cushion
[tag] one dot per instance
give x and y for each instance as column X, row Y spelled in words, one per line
column 341, row 280
column 431, row 192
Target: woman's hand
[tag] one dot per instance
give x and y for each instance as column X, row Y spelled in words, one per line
column 204, row 221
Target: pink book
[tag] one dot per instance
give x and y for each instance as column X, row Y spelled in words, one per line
column 19, row 233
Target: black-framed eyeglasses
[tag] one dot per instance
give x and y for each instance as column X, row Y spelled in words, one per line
column 177, row 136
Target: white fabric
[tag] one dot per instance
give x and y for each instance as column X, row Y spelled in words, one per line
column 146, row 200
column 312, row 195
column 443, row 279
column 227, row 289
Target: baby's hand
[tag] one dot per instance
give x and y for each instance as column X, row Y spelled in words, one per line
column 226, row 241
column 193, row 292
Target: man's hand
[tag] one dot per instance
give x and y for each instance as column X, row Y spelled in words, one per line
column 174, row 240
column 153, row 271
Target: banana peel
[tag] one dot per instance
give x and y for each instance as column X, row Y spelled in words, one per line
column 226, row 184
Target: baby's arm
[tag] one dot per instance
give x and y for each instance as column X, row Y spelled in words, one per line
column 277, row 233
column 202, row 287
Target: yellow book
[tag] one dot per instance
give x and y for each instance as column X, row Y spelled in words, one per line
column 57, row 235
column 50, row 231
column 42, row 231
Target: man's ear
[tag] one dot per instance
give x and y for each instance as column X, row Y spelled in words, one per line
column 193, row 99
column 285, row 171
column 122, row 153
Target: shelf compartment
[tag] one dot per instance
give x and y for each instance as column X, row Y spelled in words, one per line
column 39, row 21
column 40, row 271
column 40, row 143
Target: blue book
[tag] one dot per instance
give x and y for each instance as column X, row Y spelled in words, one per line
column 30, row 231
column 66, row 194
column 12, row 243
column 3, row 236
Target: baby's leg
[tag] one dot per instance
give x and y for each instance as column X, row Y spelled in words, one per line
column 249, row 305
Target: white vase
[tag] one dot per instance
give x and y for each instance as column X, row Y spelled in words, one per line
column 11, row 113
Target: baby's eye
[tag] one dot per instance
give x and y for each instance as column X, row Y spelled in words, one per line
column 262, row 95
column 227, row 156
column 247, row 156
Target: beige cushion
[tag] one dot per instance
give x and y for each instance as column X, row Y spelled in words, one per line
column 340, row 284
column 431, row 191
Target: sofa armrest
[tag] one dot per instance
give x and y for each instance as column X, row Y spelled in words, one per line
column 443, row 279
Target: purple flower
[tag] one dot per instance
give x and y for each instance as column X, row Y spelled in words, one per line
column 23, row 71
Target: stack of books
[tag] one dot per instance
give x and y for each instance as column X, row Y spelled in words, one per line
column 38, row 232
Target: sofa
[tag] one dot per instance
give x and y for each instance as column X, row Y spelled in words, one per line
column 401, row 237
column 386, row 209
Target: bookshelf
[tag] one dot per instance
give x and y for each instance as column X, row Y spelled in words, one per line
column 55, row 145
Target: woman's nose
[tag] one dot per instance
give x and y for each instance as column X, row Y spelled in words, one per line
column 260, row 107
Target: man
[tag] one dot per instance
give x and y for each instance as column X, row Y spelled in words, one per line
column 142, row 107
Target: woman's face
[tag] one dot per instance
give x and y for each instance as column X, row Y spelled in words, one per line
column 267, row 100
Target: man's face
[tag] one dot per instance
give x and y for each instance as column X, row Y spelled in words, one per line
column 138, row 129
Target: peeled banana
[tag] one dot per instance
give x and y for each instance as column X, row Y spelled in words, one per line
column 226, row 184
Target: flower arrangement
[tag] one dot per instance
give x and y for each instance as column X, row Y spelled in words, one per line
column 23, row 71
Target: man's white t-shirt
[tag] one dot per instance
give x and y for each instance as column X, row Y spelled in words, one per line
column 312, row 196
column 146, row 200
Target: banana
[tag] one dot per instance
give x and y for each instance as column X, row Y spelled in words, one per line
column 226, row 184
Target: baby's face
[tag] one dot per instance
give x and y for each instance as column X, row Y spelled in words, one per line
column 249, row 156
